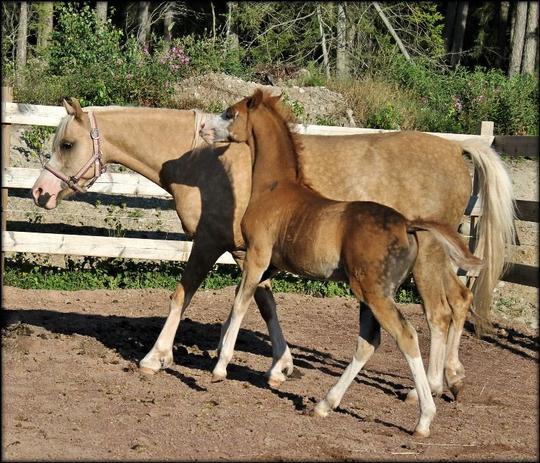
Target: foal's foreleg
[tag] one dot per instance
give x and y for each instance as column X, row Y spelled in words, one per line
column 198, row 265
column 252, row 272
column 282, row 360
column 281, row 354
column 368, row 341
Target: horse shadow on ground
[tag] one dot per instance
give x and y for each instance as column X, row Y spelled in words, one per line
column 133, row 337
column 508, row 338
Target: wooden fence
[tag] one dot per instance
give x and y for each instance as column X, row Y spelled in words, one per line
column 134, row 184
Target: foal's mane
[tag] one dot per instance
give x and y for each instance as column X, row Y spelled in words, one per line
column 288, row 118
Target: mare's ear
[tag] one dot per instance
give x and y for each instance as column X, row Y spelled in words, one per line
column 73, row 107
column 255, row 100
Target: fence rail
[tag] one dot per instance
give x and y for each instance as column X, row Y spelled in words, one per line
column 135, row 184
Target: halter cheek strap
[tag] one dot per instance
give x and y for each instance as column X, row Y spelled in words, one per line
column 96, row 160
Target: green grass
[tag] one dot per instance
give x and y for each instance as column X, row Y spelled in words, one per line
column 93, row 273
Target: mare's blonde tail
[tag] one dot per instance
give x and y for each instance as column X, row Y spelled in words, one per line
column 495, row 227
column 455, row 247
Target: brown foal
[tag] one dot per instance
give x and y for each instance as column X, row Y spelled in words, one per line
column 289, row 226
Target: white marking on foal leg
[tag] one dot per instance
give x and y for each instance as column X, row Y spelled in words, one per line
column 161, row 356
column 247, row 287
column 435, row 373
column 364, row 351
column 367, row 343
column 282, row 360
column 426, row 403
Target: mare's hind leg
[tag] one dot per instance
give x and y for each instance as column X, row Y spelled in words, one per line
column 368, row 341
column 198, row 265
column 446, row 303
column 429, row 272
column 460, row 298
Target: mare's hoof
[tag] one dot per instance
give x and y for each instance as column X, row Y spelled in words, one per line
column 148, row 371
column 421, row 433
column 457, row 390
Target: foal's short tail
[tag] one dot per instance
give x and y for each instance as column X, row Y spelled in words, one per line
column 455, row 248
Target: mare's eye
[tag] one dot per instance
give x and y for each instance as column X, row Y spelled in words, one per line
column 230, row 114
column 67, row 146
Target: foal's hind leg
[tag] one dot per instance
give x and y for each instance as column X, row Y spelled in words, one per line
column 199, row 264
column 368, row 341
column 405, row 335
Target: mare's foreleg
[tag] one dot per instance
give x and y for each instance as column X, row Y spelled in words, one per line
column 368, row 341
column 253, row 269
column 200, row 262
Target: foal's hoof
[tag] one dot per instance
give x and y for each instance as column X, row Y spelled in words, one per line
column 276, row 379
column 412, row 397
column 218, row 377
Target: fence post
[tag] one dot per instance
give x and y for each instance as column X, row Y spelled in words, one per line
column 7, row 97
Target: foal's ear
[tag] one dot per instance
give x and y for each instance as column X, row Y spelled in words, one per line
column 274, row 99
column 255, row 100
column 73, row 108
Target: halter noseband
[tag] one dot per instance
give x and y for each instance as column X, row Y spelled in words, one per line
column 96, row 159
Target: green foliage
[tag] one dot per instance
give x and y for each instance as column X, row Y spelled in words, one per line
column 35, row 139
column 209, row 55
column 93, row 273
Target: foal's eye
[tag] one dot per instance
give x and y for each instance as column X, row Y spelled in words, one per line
column 67, row 146
column 230, row 114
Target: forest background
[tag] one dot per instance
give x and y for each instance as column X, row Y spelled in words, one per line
column 431, row 66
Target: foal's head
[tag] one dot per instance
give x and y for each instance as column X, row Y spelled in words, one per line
column 235, row 123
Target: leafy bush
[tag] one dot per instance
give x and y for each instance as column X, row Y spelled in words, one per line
column 93, row 273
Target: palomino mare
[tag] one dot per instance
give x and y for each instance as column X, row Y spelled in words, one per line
column 417, row 174
column 289, row 226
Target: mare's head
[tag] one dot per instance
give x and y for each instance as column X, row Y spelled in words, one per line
column 235, row 123
column 73, row 150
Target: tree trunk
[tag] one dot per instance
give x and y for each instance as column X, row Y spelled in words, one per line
column 342, row 65
column 22, row 33
column 144, row 24
column 518, row 36
column 213, row 21
column 101, row 10
column 230, row 37
column 45, row 24
column 531, row 39
column 459, row 32
column 449, row 23
column 501, row 33
column 392, row 31
column 168, row 24
column 323, row 43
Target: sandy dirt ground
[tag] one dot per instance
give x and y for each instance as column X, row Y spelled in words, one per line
column 72, row 391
